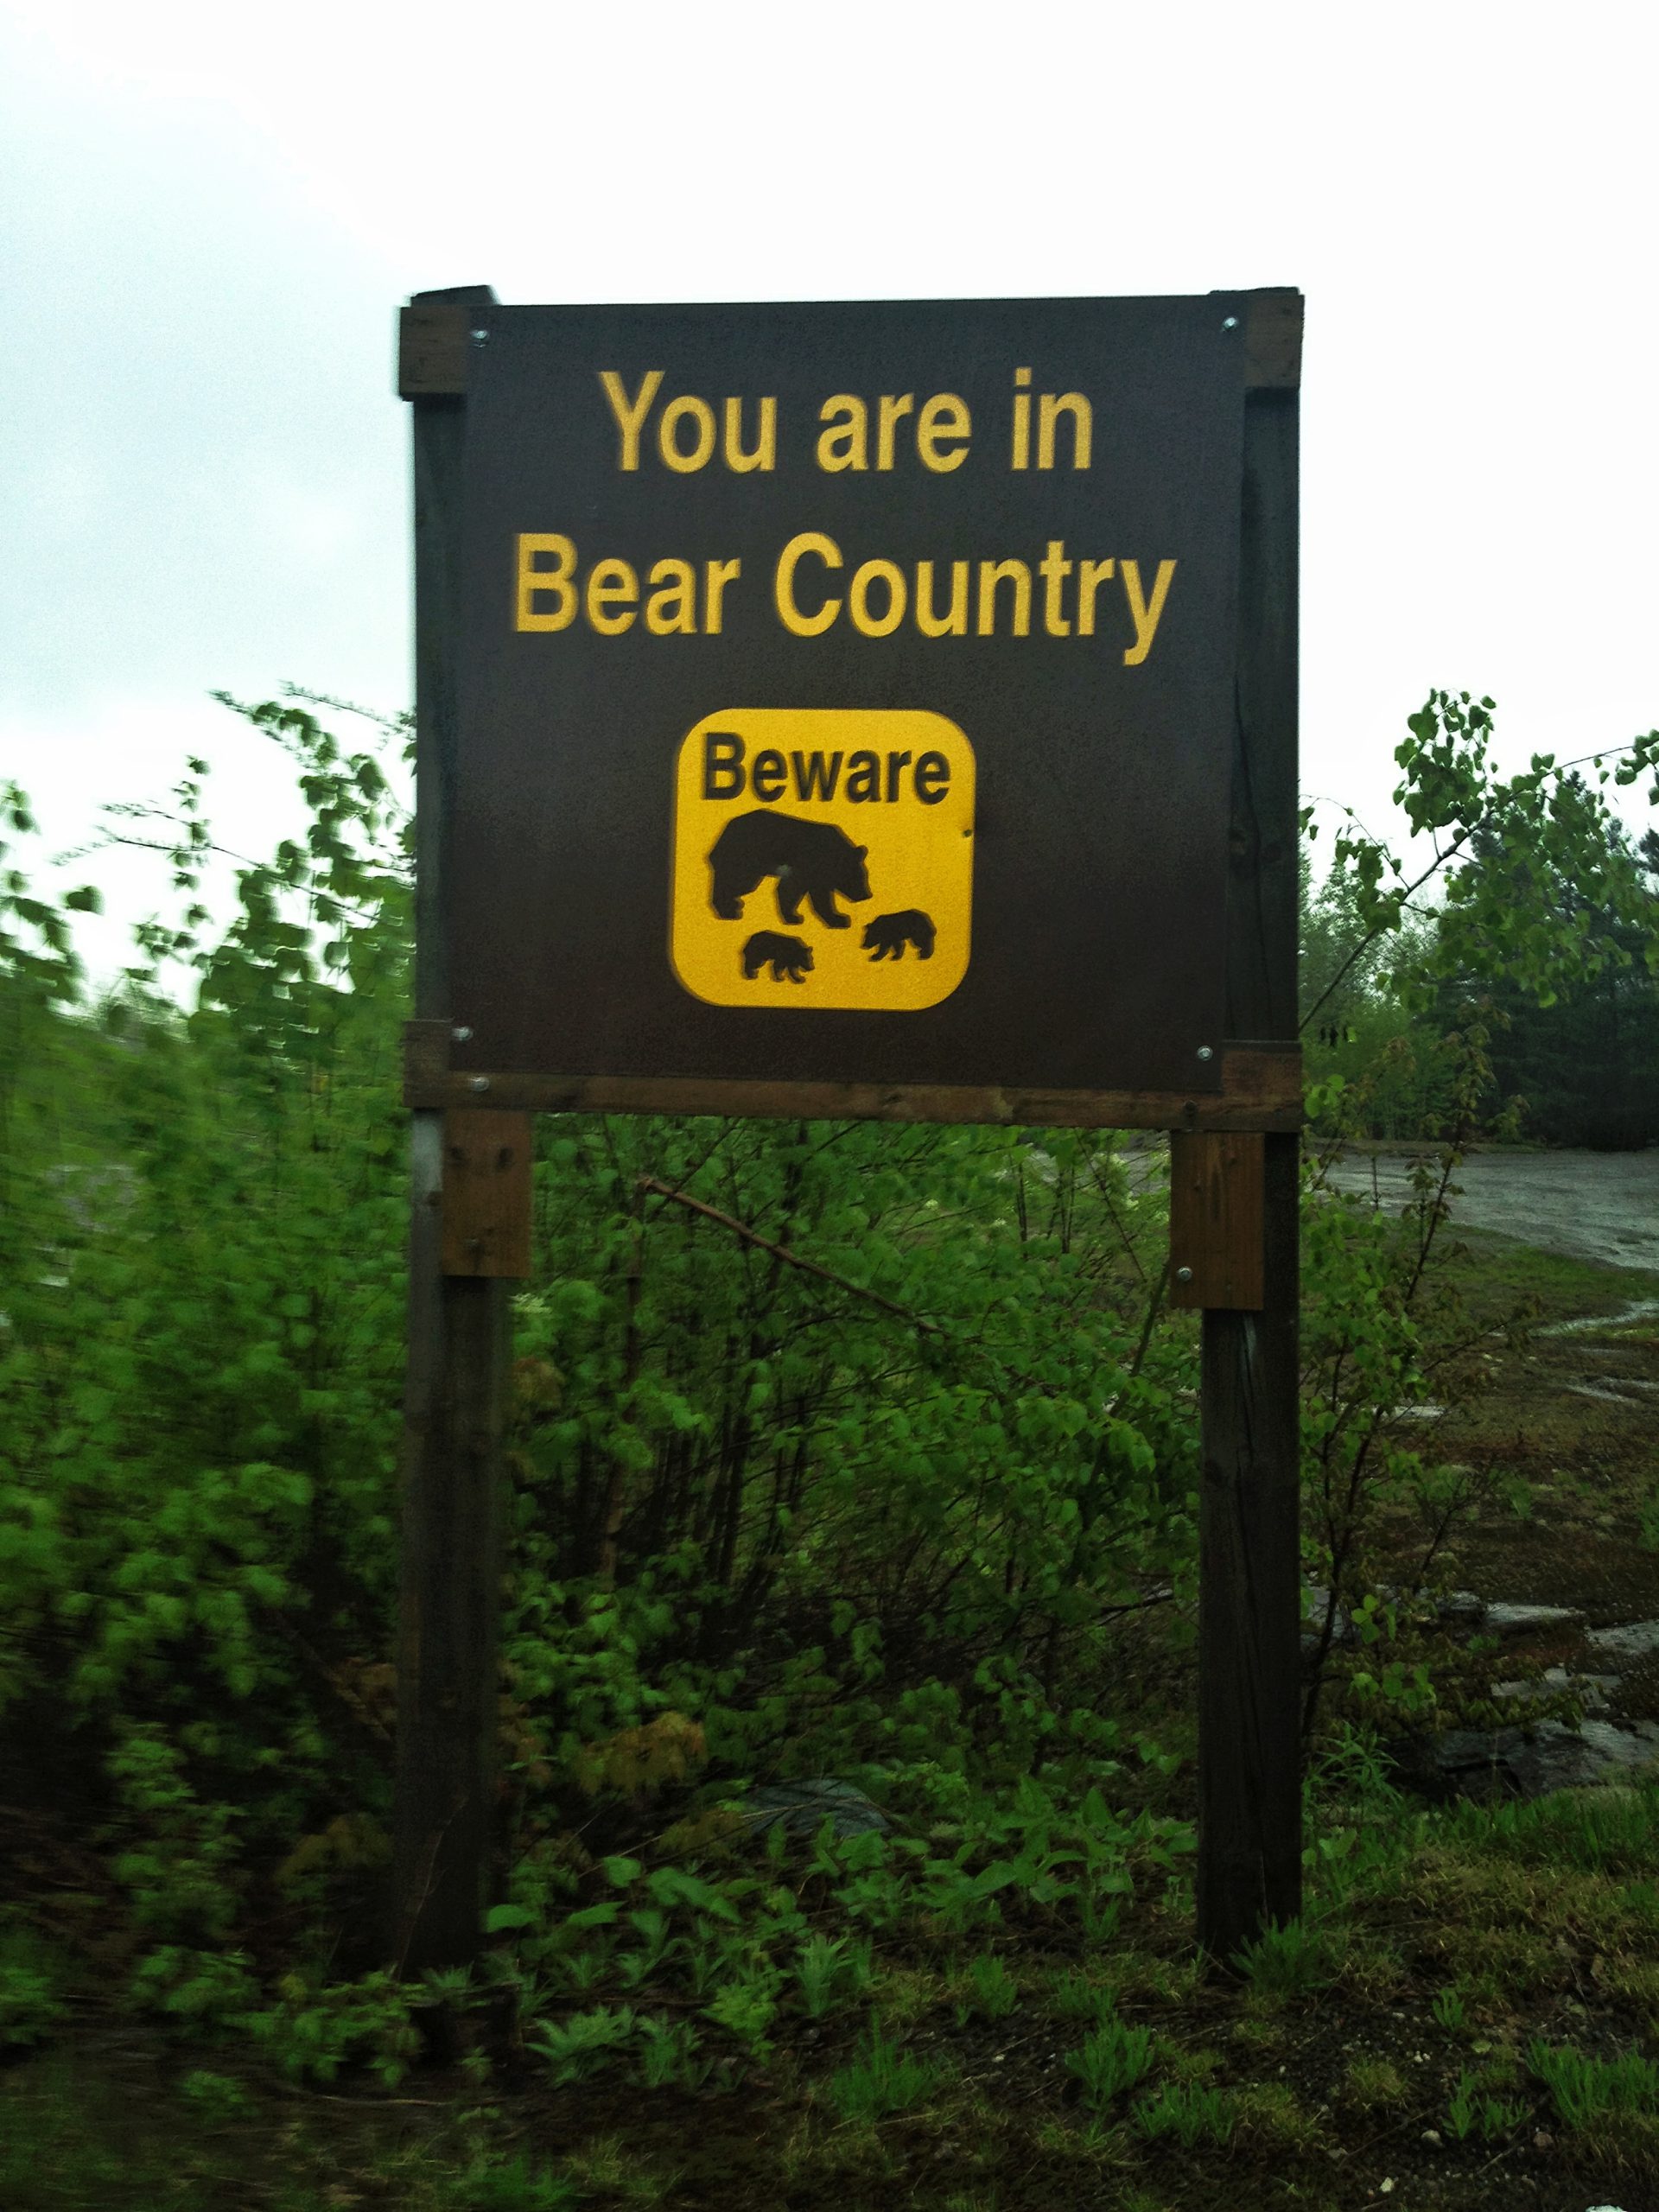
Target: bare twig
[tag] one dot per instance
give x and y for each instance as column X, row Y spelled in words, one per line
column 1106, row 1199
column 782, row 1252
column 428, row 1868
column 1154, row 1302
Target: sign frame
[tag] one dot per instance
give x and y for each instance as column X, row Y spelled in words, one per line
column 1235, row 1253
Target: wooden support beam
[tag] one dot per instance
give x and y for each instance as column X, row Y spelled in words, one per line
column 444, row 1842
column 1261, row 1088
column 435, row 341
column 1249, row 1862
column 1214, row 1219
column 486, row 1192
column 1272, row 340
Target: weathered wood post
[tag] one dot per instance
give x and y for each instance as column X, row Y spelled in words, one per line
column 459, row 1311
column 1249, row 1776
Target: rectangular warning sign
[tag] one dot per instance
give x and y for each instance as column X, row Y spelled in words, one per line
column 854, row 827
column 846, row 693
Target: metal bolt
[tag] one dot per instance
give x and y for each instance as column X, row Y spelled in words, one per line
column 1228, row 322
column 1183, row 1275
column 479, row 1082
column 480, row 337
column 461, row 1034
column 1205, row 1052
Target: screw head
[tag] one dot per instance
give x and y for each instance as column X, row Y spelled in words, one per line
column 461, row 1034
column 1206, row 1053
column 1183, row 1275
column 479, row 1082
column 1228, row 322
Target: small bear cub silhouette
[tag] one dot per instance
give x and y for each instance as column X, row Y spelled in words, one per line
column 786, row 956
column 813, row 861
column 890, row 933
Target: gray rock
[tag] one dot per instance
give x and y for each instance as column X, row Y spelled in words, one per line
column 1520, row 1620
column 1590, row 1688
column 1561, row 1758
column 1460, row 1606
column 1519, row 1762
column 1633, row 1640
column 1463, row 1754
column 803, row 1806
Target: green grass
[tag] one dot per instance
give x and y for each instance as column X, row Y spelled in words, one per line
column 1585, row 2090
column 1591, row 1832
column 1373, row 2085
column 988, row 1989
column 1076, row 1995
column 1112, row 2058
column 963, row 2094
column 882, row 2080
column 1289, row 1960
column 1496, row 1271
column 1190, row 2115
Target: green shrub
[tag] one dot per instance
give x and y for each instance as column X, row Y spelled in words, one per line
column 882, row 2080
column 31, row 1999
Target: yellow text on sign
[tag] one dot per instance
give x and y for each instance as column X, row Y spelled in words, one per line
column 823, row 857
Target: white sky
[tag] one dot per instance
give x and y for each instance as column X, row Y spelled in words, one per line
column 211, row 213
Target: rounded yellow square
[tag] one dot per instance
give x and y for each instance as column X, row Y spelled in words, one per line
column 823, row 857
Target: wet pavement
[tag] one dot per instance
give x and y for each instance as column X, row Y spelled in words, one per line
column 1585, row 1205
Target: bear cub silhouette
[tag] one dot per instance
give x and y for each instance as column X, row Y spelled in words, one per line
column 890, row 933
column 812, row 861
column 786, row 956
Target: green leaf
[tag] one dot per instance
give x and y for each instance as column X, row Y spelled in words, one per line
column 594, row 1916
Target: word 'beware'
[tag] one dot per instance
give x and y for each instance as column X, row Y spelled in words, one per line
column 817, row 775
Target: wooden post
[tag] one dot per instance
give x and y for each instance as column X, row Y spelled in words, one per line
column 459, row 1323
column 1249, row 1765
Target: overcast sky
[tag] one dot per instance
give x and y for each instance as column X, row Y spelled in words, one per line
column 211, row 213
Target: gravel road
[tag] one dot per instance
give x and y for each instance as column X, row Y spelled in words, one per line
column 1586, row 1205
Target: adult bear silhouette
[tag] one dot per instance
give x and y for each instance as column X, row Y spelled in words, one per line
column 812, row 861
column 890, row 933
column 785, row 956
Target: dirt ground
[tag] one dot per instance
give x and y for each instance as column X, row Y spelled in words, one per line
column 1576, row 1416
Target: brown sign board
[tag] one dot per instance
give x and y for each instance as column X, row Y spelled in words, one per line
column 845, row 707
